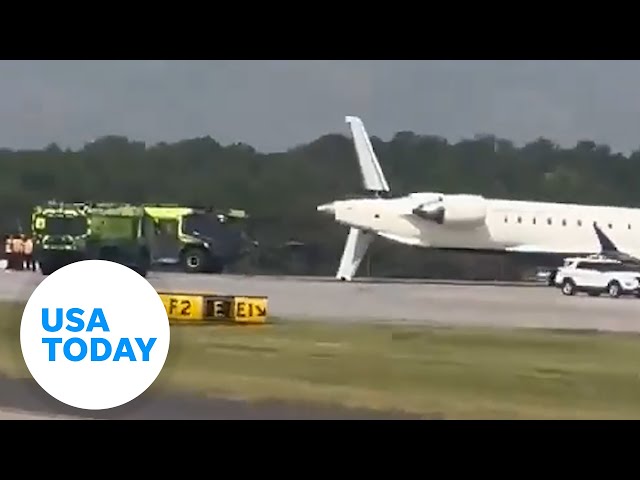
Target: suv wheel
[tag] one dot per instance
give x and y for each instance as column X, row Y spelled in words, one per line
column 568, row 288
column 614, row 289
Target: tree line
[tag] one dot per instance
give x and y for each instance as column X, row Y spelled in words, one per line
column 280, row 191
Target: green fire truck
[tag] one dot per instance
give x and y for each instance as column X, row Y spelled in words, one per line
column 68, row 232
column 139, row 236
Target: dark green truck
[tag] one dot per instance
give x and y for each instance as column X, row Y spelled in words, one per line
column 138, row 236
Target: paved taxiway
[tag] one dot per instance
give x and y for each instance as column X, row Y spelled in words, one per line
column 453, row 303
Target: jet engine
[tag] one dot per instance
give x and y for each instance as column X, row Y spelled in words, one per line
column 454, row 210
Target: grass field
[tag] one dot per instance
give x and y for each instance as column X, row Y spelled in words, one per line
column 448, row 373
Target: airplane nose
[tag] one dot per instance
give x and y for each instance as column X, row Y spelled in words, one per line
column 327, row 208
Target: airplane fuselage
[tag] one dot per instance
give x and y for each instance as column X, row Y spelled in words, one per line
column 473, row 222
column 451, row 221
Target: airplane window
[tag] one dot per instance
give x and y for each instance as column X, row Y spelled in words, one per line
column 629, row 227
column 519, row 219
column 564, row 223
column 548, row 221
column 534, row 220
column 610, row 226
column 579, row 223
column 377, row 215
column 506, row 219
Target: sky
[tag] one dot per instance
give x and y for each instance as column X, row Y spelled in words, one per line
column 276, row 105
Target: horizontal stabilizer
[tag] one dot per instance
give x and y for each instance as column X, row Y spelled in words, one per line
column 373, row 178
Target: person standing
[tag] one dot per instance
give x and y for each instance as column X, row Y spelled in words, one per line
column 8, row 251
column 30, row 264
column 16, row 247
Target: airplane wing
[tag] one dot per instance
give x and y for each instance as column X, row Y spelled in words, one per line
column 609, row 249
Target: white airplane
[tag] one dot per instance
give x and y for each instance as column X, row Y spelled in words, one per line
column 472, row 222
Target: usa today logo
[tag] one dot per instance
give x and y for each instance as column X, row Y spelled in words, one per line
column 95, row 335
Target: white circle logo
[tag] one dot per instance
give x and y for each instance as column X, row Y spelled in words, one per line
column 95, row 334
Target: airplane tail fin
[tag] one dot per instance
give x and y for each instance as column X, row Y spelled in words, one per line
column 373, row 178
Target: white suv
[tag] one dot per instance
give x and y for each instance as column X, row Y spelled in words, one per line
column 596, row 275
